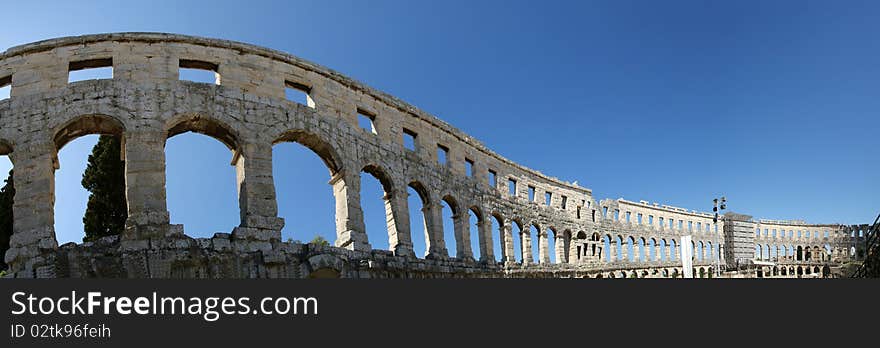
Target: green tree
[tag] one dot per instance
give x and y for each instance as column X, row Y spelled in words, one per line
column 105, row 179
column 318, row 240
column 6, row 195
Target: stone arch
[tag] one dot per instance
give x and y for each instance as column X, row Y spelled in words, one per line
column 459, row 224
column 396, row 211
column 642, row 253
column 664, row 250
column 84, row 125
column 483, row 235
column 75, row 127
column 652, row 253
column 431, row 216
column 501, row 237
column 566, row 247
column 204, row 125
column 630, row 249
column 324, row 149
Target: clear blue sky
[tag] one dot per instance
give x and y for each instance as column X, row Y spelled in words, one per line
column 773, row 103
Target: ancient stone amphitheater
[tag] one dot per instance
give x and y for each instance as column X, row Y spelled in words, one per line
column 145, row 103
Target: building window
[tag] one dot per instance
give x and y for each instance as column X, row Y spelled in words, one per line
column 690, row 226
column 5, row 87
column 616, row 214
column 469, row 167
column 628, row 216
column 531, row 193
column 651, row 220
column 492, row 177
column 639, row 218
column 409, row 139
column 367, row 121
column 92, row 69
column 511, row 186
column 199, row 71
column 564, row 202
column 298, row 93
column 442, row 154
column 660, row 222
column 548, row 198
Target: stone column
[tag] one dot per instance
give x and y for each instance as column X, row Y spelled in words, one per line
column 612, row 245
column 397, row 218
column 148, row 216
column 433, row 218
column 256, row 194
column 33, row 242
column 526, row 244
column 461, row 227
column 559, row 247
column 507, row 252
column 484, row 228
column 350, row 231
column 544, row 247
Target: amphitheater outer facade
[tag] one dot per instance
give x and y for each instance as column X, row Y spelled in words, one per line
column 145, row 103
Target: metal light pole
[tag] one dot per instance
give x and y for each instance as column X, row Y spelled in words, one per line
column 716, row 208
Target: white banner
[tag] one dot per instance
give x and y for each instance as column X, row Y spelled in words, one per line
column 687, row 265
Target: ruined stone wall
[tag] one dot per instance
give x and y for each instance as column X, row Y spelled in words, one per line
column 145, row 103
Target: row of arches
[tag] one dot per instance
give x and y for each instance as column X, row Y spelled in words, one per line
column 642, row 249
column 698, row 272
column 446, row 224
column 793, row 271
column 783, row 252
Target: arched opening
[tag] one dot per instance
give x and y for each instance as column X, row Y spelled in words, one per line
column 675, row 273
column 324, row 273
column 642, row 251
column 698, row 255
column 200, row 183
column 652, row 250
column 663, row 251
column 758, row 252
column 702, row 272
column 800, row 253
column 7, row 196
column 89, row 154
column 497, row 237
column 535, row 239
column 630, row 249
column 377, row 206
column 550, row 234
column 451, row 213
column 566, row 247
column 417, row 200
column 305, row 170
column 673, row 253
column 474, row 220
column 665, row 273
column 516, row 231
column 710, row 253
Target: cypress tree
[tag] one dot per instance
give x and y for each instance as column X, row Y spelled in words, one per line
column 6, row 195
column 105, row 179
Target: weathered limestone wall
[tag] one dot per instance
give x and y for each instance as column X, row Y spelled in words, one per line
column 145, row 103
